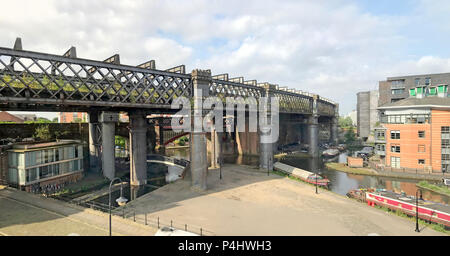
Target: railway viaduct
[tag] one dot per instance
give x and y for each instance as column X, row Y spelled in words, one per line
column 33, row 81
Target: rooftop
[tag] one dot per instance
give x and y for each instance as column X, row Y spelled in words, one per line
column 426, row 102
column 34, row 146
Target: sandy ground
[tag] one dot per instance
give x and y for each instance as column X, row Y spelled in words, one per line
column 249, row 202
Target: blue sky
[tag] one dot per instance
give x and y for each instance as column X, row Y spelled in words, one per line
column 334, row 48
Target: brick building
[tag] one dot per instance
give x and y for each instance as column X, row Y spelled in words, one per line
column 8, row 117
column 415, row 132
column 72, row 117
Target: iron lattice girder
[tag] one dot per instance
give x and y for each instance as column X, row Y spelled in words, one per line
column 39, row 78
column 106, row 84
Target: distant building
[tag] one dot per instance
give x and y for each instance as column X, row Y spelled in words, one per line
column 72, row 117
column 415, row 132
column 354, row 116
column 8, row 117
column 27, row 117
column 397, row 88
column 38, row 165
column 367, row 114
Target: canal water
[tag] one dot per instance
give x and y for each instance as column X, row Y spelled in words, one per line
column 341, row 182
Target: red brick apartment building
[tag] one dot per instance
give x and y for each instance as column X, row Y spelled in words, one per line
column 75, row 117
column 415, row 132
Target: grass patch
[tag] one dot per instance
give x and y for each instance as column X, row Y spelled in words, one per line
column 434, row 226
column 344, row 168
column 77, row 190
column 435, row 188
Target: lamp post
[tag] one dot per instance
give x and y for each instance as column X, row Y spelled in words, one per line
column 120, row 201
column 417, row 209
column 316, row 182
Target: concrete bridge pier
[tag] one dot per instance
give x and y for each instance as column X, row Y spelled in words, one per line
column 201, row 80
column 93, row 146
column 108, row 121
column 313, row 129
column 313, row 132
column 162, row 147
column 215, row 147
column 138, row 148
column 266, row 139
column 334, row 131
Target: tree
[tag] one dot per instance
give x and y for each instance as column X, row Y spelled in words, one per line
column 345, row 121
column 42, row 132
column 55, row 120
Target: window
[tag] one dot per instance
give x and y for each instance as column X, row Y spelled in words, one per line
column 395, row 148
column 44, row 172
column 421, row 149
column 427, row 80
column 417, row 81
column 395, row 135
column 380, row 147
column 76, row 152
column 421, row 134
column 379, row 135
column 395, row 162
column 31, row 175
column 433, row 91
column 398, row 91
column 397, row 82
column 421, row 161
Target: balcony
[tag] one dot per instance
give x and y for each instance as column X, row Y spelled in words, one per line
column 380, row 152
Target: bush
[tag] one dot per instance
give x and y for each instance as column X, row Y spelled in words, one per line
column 42, row 132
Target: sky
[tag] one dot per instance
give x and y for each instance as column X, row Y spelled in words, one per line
column 334, row 48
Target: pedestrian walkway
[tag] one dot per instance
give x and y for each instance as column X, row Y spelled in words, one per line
column 24, row 214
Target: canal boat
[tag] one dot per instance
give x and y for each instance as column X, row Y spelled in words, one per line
column 306, row 176
column 427, row 210
column 331, row 152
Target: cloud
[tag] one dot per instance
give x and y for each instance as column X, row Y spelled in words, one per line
column 334, row 48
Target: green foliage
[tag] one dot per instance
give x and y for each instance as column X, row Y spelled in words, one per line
column 345, row 121
column 40, row 120
column 352, row 142
column 77, row 120
column 120, row 141
column 435, row 188
column 42, row 132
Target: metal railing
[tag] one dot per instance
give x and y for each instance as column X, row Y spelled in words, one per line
column 144, row 218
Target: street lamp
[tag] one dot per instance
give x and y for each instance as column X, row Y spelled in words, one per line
column 121, row 201
column 316, row 182
column 417, row 209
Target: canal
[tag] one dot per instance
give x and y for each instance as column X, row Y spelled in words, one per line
column 341, row 182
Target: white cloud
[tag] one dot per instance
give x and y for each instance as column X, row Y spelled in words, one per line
column 333, row 48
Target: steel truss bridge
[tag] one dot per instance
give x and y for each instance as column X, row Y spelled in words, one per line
column 36, row 81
